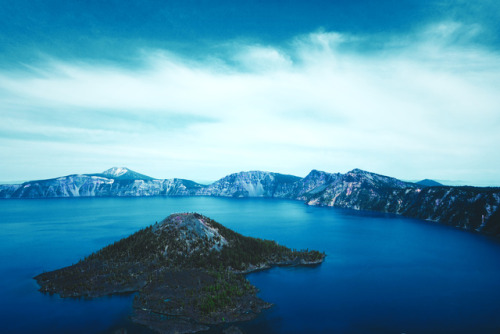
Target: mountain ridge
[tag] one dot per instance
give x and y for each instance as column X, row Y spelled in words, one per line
column 429, row 183
column 466, row 207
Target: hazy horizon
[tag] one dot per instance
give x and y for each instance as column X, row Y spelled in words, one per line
column 207, row 182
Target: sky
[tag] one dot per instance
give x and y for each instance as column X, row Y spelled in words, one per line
column 202, row 89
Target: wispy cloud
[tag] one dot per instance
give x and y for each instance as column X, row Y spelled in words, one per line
column 417, row 106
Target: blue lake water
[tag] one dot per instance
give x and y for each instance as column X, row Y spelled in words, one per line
column 382, row 274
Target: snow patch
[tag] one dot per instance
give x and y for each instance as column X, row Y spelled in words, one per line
column 349, row 189
column 116, row 171
column 254, row 190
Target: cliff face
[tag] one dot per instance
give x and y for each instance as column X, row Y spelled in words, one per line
column 7, row 190
column 90, row 186
column 117, row 182
column 252, row 184
column 360, row 190
column 101, row 185
column 465, row 207
column 315, row 182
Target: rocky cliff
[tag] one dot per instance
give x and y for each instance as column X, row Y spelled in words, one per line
column 252, row 184
column 470, row 208
column 124, row 182
column 110, row 183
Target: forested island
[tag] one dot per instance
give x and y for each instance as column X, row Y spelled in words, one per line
column 188, row 272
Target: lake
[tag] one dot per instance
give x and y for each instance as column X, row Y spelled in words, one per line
column 382, row 274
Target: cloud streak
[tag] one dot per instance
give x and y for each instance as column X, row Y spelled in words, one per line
column 421, row 106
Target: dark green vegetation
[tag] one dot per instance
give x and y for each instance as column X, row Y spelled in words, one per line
column 187, row 269
column 244, row 253
column 470, row 208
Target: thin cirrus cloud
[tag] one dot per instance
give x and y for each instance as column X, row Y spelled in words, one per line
column 417, row 106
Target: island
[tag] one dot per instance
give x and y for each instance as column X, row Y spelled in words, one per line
column 187, row 272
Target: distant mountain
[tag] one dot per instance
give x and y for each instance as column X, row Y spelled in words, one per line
column 428, row 183
column 358, row 190
column 117, row 181
column 316, row 181
column 471, row 208
column 123, row 173
column 252, row 184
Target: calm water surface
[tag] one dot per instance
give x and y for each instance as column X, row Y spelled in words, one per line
column 383, row 273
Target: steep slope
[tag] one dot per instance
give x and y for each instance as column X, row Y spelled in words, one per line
column 252, row 184
column 186, row 269
column 66, row 186
column 113, row 182
column 359, row 190
column 314, row 183
column 121, row 181
column 6, row 190
column 464, row 207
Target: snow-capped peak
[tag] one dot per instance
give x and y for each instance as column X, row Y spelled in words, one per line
column 116, row 171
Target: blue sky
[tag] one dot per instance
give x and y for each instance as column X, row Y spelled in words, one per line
column 200, row 89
